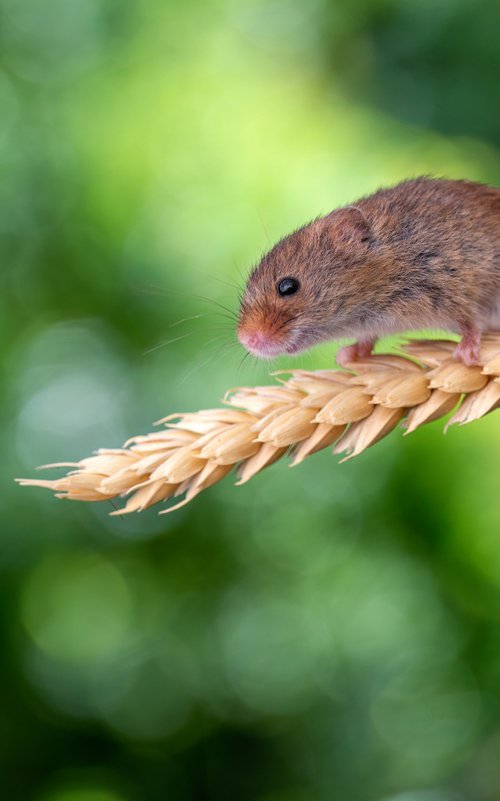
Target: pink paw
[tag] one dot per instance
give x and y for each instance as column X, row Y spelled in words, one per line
column 347, row 355
column 468, row 354
column 468, row 349
column 351, row 353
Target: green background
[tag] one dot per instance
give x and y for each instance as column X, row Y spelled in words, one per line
column 328, row 633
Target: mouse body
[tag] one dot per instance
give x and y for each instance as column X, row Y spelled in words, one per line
column 422, row 254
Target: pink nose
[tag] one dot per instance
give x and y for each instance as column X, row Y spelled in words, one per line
column 254, row 340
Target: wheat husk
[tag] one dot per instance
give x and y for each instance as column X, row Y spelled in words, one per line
column 297, row 415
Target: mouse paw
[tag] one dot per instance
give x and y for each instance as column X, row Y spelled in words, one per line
column 468, row 349
column 351, row 353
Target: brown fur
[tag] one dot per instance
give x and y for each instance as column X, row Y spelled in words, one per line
column 425, row 253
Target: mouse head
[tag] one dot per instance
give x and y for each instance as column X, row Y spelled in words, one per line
column 297, row 295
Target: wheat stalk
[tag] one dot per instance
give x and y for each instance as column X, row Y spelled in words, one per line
column 301, row 415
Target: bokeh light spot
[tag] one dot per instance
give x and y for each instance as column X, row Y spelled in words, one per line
column 78, row 608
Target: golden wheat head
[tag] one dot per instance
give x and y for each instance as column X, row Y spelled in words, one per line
column 300, row 415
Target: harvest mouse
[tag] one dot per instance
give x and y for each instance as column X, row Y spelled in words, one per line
column 422, row 254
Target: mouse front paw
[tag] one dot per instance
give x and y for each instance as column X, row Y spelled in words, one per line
column 351, row 353
column 469, row 347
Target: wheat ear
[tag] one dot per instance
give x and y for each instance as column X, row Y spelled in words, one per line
column 300, row 415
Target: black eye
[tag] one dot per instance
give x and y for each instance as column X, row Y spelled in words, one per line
column 287, row 286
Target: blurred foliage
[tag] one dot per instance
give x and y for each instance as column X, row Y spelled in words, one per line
column 322, row 634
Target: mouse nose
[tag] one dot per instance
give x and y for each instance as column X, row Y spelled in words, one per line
column 253, row 340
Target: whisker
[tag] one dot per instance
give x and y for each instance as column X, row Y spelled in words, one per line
column 243, row 359
column 186, row 319
column 220, row 305
column 287, row 322
column 231, row 283
column 167, row 342
column 156, row 290
column 215, row 353
column 243, row 278
column 264, row 227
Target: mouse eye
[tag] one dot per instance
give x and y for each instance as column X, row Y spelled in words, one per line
column 288, row 286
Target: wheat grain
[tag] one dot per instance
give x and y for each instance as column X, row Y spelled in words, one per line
column 300, row 415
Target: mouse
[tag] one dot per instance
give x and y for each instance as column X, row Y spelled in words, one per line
column 422, row 254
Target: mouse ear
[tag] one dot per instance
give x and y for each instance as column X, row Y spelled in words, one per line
column 348, row 225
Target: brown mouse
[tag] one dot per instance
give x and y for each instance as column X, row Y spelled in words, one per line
column 422, row 254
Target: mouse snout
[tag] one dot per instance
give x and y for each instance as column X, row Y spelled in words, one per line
column 264, row 341
column 255, row 341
